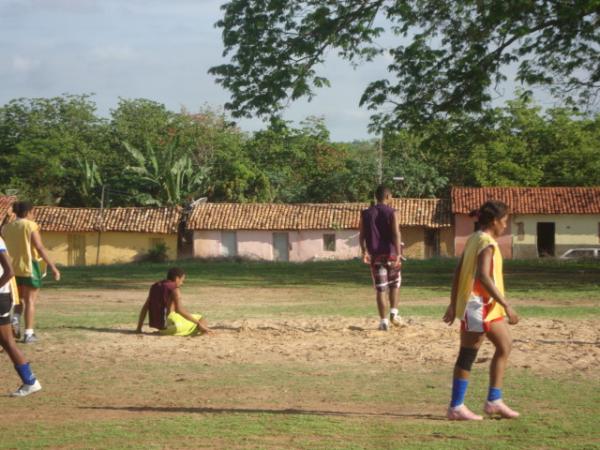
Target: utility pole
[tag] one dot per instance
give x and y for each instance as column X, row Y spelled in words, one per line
column 100, row 223
column 380, row 161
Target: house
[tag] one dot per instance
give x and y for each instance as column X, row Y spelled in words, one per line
column 86, row 236
column 544, row 221
column 302, row 232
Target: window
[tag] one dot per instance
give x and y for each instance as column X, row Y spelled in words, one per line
column 520, row 231
column 329, row 242
column 228, row 243
column 588, row 253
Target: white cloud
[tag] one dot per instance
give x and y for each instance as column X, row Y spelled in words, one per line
column 23, row 64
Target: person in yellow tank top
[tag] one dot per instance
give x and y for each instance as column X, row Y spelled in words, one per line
column 28, row 254
column 479, row 301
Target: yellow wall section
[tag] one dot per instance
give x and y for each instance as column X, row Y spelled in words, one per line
column 115, row 247
column 447, row 241
column 414, row 244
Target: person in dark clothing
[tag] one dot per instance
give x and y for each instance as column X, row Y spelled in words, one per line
column 380, row 245
column 166, row 311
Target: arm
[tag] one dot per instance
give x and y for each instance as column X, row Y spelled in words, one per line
column 36, row 240
column 450, row 314
column 142, row 318
column 362, row 240
column 7, row 268
column 484, row 268
column 176, row 296
column 397, row 241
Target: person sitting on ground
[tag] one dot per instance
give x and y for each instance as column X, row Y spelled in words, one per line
column 166, row 311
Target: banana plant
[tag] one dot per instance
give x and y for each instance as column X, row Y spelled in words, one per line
column 168, row 172
column 89, row 181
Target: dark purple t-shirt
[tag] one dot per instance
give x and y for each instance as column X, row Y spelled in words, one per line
column 377, row 224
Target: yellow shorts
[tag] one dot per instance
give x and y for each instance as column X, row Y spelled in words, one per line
column 177, row 325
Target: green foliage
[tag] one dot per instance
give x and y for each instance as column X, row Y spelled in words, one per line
column 56, row 151
column 158, row 253
column 41, row 141
column 168, row 173
column 451, row 57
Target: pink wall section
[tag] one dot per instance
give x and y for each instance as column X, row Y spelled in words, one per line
column 464, row 226
column 308, row 245
column 305, row 245
column 255, row 244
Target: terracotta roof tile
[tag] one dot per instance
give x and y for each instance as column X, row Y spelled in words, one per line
column 433, row 213
column 6, row 202
column 538, row 200
column 142, row 220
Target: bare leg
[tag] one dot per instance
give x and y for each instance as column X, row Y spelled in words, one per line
column 8, row 344
column 499, row 335
column 393, row 294
column 381, row 305
column 29, row 299
column 470, row 343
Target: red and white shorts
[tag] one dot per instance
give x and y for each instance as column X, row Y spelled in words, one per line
column 476, row 312
column 386, row 272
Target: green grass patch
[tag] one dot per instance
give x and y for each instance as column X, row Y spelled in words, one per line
column 433, row 274
column 351, row 408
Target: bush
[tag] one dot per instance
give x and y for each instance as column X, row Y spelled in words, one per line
column 158, row 253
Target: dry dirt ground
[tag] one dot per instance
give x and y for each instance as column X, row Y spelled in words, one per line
column 89, row 366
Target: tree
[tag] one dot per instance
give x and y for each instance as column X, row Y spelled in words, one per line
column 405, row 155
column 167, row 176
column 451, row 57
column 41, row 140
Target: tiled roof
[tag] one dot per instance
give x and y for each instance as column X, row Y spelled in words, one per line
column 537, row 200
column 433, row 213
column 142, row 220
column 6, row 202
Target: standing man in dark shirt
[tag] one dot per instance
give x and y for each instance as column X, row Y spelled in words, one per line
column 380, row 244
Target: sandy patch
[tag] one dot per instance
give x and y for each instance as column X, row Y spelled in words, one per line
column 542, row 345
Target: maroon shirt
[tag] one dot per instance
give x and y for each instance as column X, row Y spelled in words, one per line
column 159, row 295
column 377, row 226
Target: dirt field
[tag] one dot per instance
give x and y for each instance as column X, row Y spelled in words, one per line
column 110, row 353
column 278, row 354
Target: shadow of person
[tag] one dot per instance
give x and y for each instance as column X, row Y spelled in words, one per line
column 286, row 411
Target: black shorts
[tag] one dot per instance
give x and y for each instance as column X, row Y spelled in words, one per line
column 5, row 307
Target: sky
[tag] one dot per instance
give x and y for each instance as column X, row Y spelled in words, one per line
column 155, row 49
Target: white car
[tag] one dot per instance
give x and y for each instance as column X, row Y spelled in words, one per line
column 575, row 253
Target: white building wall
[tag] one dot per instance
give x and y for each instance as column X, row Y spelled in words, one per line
column 571, row 230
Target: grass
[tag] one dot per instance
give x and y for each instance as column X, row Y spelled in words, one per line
column 115, row 400
column 350, row 409
column 435, row 275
